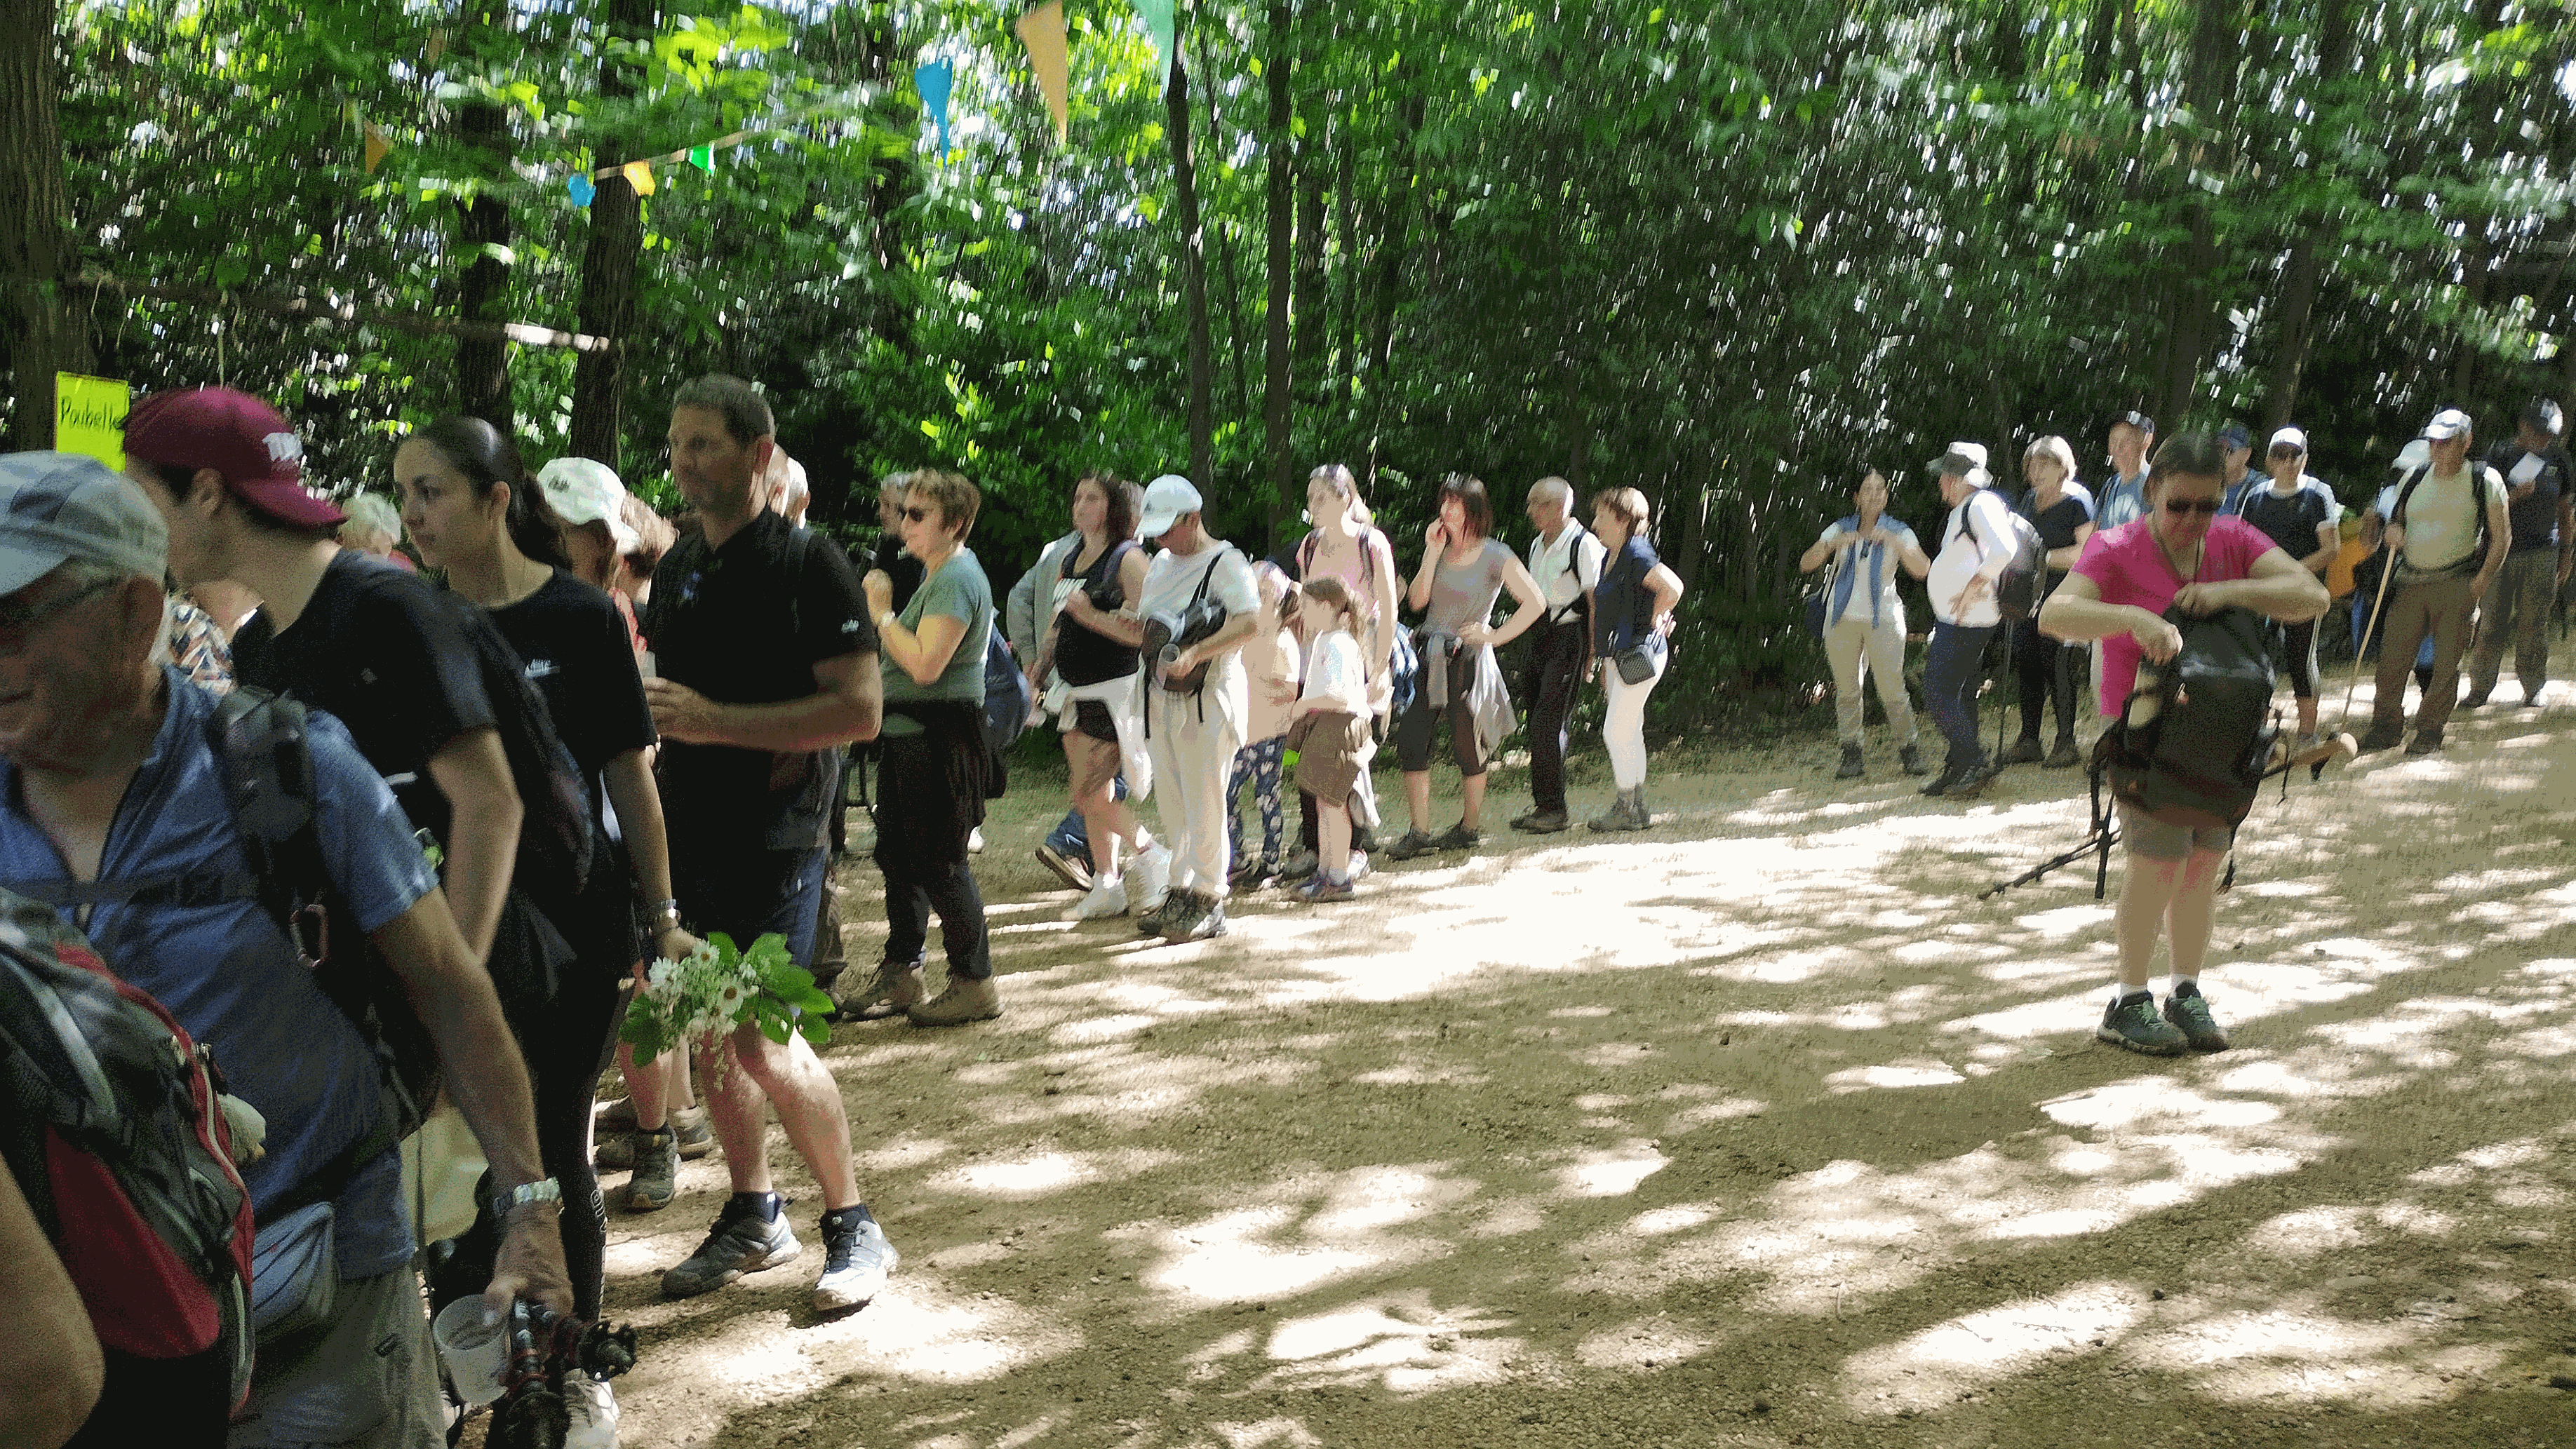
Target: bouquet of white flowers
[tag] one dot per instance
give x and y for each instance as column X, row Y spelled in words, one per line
column 696, row 1000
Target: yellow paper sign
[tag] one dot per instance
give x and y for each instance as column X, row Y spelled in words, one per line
column 89, row 416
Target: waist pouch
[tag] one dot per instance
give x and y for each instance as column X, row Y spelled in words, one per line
column 295, row 1275
column 1637, row 662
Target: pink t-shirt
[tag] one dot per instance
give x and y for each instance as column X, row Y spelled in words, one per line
column 2129, row 567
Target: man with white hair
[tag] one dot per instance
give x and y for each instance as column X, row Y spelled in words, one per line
column 1976, row 546
column 789, row 496
column 2448, row 535
column 1566, row 561
column 374, row 527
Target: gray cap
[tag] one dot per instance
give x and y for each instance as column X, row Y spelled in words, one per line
column 55, row 507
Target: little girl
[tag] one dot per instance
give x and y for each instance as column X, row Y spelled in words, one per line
column 1331, row 730
column 1270, row 663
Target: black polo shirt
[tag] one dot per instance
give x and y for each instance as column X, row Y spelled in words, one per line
column 2534, row 520
column 746, row 624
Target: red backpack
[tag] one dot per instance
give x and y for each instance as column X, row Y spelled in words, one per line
column 111, row 1121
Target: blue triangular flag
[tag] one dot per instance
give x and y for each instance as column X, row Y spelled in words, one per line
column 933, row 81
column 582, row 190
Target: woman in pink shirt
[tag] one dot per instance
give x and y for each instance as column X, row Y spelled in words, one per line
column 2180, row 554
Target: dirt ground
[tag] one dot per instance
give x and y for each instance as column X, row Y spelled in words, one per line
column 1754, row 1129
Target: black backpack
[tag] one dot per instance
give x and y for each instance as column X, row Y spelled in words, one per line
column 558, row 840
column 2195, row 733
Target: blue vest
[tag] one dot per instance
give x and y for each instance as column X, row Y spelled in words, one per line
column 1845, row 575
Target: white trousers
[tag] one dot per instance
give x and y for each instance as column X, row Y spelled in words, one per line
column 1193, row 761
column 1623, row 725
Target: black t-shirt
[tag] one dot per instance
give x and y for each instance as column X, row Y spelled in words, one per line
column 574, row 644
column 1084, row 655
column 746, row 624
column 2534, row 519
column 377, row 649
column 2056, row 525
column 2291, row 523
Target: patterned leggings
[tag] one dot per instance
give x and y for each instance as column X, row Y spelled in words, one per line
column 1258, row 762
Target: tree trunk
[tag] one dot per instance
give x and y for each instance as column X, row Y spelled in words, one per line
column 1397, row 219
column 1278, row 162
column 609, row 263
column 1235, row 328
column 1311, row 309
column 37, row 252
column 483, row 234
column 1347, row 343
column 1185, row 186
column 2290, row 354
column 2195, row 324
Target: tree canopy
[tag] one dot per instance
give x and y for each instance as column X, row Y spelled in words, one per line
column 1732, row 255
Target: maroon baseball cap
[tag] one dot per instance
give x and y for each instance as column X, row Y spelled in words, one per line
column 240, row 437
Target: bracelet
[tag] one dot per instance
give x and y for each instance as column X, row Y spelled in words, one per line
column 666, row 910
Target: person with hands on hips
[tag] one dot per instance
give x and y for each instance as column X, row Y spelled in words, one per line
column 1632, row 606
column 1865, row 620
column 2180, row 554
column 1464, row 569
column 1976, row 546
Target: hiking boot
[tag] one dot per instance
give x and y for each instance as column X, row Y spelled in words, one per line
column 1320, row 890
column 657, row 1171
column 2381, row 737
column 2132, row 1022
column 962, row 1002
column 2425, row 742
column 856, row 1261
column 2063, row 755
column 1201, row 917
column 1628, row 812
column 1972, row 782
column 591, row 1407
column 745, row 1239
column 688, row 1124
column 2024, row 751
column 1409, row 845
column 2188, row 1011
column 1150, row 923
column 1911, row 759
column 1543, row 822
column 1105, row 900
column 2477, row 698
column 1948, row 780
column 1075, row 873
column 1460, row 836
column 896, row 988
column 1851, row 767
column 1253, row 874
column 1300, row 865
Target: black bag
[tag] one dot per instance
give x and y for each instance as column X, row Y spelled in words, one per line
column 2019, row 592
column 557, row 837
column 1637, row 663
column 1201, row 619
column 1819, row 600
column 2195, row 733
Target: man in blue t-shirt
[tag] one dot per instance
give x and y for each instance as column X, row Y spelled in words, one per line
column 113, row 805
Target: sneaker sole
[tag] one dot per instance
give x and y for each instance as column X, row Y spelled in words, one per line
column 635, row 1204
column 2141, row 1048
column 933, row 1023
column 776, row 1257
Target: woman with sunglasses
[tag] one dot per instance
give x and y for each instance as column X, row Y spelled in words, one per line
column 2181, row 553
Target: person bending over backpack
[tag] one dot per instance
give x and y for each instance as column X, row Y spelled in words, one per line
column 114, row 805
column 2181, row 554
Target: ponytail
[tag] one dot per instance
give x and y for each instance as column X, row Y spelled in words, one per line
column 487, row 458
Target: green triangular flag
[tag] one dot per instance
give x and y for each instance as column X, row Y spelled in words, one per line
column 703, row 158
column 1158, row 23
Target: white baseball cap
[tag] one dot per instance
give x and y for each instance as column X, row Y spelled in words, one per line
column 582, row 491
column 1166, row 499
column 2291, row 436
column 2448, row 423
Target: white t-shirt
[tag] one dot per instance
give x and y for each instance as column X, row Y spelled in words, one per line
column 1172, row 578
column 1984, row 546
column 1334, row 672
column 2442, row 517
column 1567, row 569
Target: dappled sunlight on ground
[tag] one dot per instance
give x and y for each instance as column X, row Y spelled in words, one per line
column 1757, row 1127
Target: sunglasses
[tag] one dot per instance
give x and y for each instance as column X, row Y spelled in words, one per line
column 917, row 515
column 2205, row 507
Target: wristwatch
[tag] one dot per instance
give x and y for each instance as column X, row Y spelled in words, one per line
column 888, row 617
column 666, row 915
column 544, row 1189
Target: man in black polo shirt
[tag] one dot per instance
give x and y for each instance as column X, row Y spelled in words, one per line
column 766, row 664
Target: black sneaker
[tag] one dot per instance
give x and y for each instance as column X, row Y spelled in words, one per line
column 1543, row 822
column 2024, row 751
column 1409, row 845
column 2064, row 756
column 1460, row 836
column 2381, row 737
column 744, row 1240
column 856, row 1263
column 1973, row 781
column 1947, row 781
column 1254, row 873
column 1851, row 767
column 2132, row 1022
column 2188, row 1010
column 1910, row 759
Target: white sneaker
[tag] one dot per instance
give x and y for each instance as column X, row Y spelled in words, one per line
column 1359, row 866
column 1150, row 879
column 594, row 1413
column 975, row 841
column 1105, row 900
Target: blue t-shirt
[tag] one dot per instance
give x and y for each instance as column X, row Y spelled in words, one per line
column 1623, row 608
column 227, row 971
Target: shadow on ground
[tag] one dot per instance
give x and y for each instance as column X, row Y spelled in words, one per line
column 1753, row 1129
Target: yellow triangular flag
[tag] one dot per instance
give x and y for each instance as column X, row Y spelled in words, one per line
column 1042, row 31
column 379, row 146
column 639, row 174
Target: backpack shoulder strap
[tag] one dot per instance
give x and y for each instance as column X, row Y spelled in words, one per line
column 2405, row 491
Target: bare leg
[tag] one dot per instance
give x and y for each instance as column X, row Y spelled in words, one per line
column 809, row 1108
column 2194, row 910
column 1472, row 806
column 1333, row 840
column 2308, row 715
column 648, row 1084
column 1417, row 798
column 2147, row 892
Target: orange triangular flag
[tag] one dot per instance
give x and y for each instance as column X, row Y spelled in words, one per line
column 639, row 174
column 378, row 148
column 1042, row 31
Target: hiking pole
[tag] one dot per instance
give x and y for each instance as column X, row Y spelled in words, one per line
column 2100, row 841
column 2372, row 632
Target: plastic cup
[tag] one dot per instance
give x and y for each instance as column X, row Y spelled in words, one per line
column 475, row 1348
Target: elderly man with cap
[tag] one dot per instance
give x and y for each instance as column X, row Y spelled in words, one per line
column 374, row 526
column 1976, row 545
column 113, row 805
column 2448, row 535
column 2124, row 496
column 2236, row 457
column 1196, row 700
column 2537, row 480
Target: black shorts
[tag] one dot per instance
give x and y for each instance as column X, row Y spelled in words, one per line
column 1091, row 718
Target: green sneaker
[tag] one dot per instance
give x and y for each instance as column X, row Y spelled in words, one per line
column 2132, row 1022
column 2188, row 1010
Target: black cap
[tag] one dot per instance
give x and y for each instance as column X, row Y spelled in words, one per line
column 2543, row 416
column 2234, row 435
column 2137, row 420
